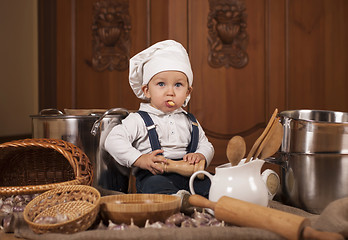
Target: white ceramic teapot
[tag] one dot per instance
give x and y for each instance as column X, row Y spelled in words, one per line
column 243, row 182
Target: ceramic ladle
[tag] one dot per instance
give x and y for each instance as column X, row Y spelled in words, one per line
column 235, row 150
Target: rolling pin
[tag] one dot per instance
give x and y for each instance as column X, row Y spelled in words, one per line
column 247, row 214
column 183, row 168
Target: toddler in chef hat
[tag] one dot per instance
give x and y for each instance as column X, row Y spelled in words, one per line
column 161, row 129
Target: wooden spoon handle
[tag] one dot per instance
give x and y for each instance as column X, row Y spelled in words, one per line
column 274, row 142
column 312, row 234
column 266, row 138
column 259, row 140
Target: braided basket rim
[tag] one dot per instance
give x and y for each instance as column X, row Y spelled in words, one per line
column 64, row 226
column 68, row 150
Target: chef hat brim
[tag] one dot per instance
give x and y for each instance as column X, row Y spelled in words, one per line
column 163, row 56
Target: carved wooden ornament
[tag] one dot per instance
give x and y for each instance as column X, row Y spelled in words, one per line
column 227, row 38
column 110, row 29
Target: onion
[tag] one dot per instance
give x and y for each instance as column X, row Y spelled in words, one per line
column 132, row 225
column 198, row 219
column 9, row 201
column 202, row 219
column 189, row 222
column 216, row 223
column 6, row 208
column 8, row 223
column 176, row 219
column 101, row 226
column 201, row 215
column 61, row 218
column 157, row 224
column 27, row 198
column 18, row 208
column 46, row 220
column 18, row 199
column 113, row 226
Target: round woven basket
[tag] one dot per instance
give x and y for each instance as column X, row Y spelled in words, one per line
column 78, row 203
column 37, row 165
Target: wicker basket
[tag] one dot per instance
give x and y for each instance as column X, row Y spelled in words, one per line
column 37, row 165
column 79, row 203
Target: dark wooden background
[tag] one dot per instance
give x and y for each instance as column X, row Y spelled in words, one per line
column 298, row 58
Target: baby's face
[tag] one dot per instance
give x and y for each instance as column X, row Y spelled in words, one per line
column 167, row 90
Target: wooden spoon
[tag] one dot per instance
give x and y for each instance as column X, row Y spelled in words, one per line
column 274, row 141
column 235, row 150
column 260, row 139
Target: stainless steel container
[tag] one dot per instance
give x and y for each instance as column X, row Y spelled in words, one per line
column 76, row 129
column 314, row 131
column 314, row 155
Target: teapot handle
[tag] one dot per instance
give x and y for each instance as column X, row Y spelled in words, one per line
column 272, row 182
column 193, row 177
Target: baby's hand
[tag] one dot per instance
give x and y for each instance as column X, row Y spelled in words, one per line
column 148, row 162
column 193, row 158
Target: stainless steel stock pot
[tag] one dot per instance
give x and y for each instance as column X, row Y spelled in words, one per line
column 314, row 155
column 86, row 129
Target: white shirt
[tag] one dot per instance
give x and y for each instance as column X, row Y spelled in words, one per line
column 126, row 142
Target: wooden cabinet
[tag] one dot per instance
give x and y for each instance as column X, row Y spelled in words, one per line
column 297, row 58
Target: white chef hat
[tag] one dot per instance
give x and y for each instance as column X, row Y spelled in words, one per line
column 167, row 55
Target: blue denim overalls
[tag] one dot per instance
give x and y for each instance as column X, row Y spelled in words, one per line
column 169, row 183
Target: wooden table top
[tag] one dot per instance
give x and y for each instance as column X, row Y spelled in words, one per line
column 7, row 236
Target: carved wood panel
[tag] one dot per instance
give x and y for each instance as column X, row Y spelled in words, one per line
column 227, row 35
column 296, row 59
column 229, row 101
column 110, row 30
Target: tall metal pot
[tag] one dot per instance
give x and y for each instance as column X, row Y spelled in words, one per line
column 314, row 156
column 76, row 129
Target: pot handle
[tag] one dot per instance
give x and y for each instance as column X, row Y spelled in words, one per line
column 50, row 111
column 285, row 146
column 280, row 159
column 96, row 124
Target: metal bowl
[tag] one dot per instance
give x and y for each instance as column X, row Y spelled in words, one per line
column 314, row 131
column 312, row 181
column 314, row 155
column 139, row 207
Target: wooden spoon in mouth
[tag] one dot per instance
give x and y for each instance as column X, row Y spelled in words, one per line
column 235, row 151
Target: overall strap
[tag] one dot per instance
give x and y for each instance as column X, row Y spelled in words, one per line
column 192, row 147
column 153, row 137
column 151, row 129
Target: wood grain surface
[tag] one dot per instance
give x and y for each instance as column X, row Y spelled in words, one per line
column 297, row 59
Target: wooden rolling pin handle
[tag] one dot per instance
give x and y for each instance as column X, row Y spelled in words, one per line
column 199, row 167
column 202, row 202
column 312, row 234
column 183, row 168
column 247, row 214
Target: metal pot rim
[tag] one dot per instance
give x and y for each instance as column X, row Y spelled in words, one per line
column 334, row 117
column 64, row 116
